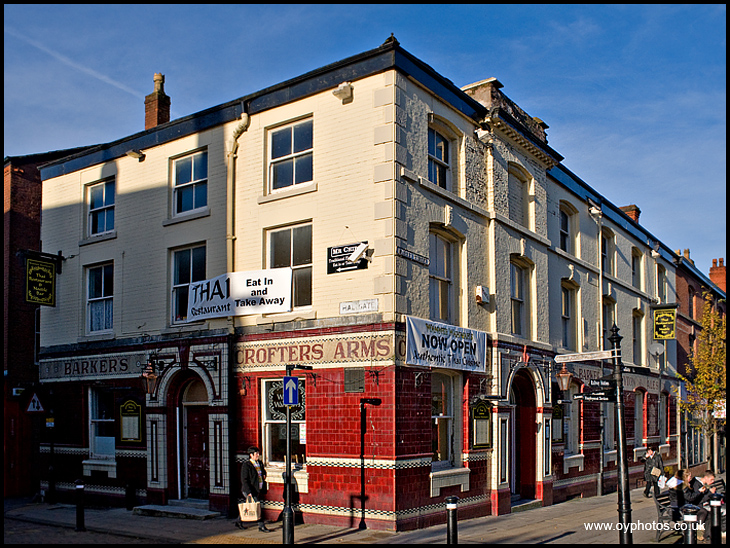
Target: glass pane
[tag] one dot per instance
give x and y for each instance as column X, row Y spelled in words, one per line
column 180, row 303
column 282, row 174
column 96, row 198
column 182, row 267
column 97, row 222
column 303, row 169
column 198, row 264
column 183, row 171
column 302, row 281
column 277, row 443
column 200, row 166
column 281, row 143
column 110, row 219
column 303, row 136
column 184, row 199
column 108, row 280
column 108, row 313
column 96, row 316
column 443, row 300
column 201, row 195
column 95, row 283
column 431, row 142
column 302, row 252
column 281, row 248
column 109, row 193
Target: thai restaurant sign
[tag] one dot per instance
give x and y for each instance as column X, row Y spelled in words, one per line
column 240, row 294
column 433, row 344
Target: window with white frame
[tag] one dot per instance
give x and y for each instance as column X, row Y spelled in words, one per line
column 518, row 299
column 292, row 247
column 439, row 166
column 102, row 440
column 291, row 155
column 442, row 277
column 567, row 228
column 190, row 184
column 274, row 424
column 572, row 422
column 637, row 268
column 608, row 252
column 569, row 319
column 661, row 283
column 188, row 266
column 637, row 324
column 609, row 318
column 442, row 419
column 100, row 199
column 100, row 298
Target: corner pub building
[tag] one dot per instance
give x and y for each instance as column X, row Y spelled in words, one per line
column 420, row 247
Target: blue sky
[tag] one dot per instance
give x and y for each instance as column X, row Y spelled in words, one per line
column 634, row 95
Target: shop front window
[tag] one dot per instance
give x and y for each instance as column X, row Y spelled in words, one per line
column 274, row 424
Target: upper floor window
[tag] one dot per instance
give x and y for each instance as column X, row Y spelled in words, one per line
column 292, row 247
column 100, row 298
column 568, row 231
column 190, row 185
column 101, row 207
column 439, row 167
column 569, row 318
column 608, row 251
column 636, row 268
column 188, row 266
column 609, row 318
column 661, row 283
column 637, row 324
column 291, row 153
column 519, row 298
column 443, row 277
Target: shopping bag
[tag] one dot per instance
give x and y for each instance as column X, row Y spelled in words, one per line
column 662, row 482
column 249, row 510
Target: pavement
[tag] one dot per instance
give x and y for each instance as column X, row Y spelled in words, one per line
column 563, row 523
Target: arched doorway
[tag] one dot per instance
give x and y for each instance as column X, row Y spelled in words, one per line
column 524, row 436
column 193, row 437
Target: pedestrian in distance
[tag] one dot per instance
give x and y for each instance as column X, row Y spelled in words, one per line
column 253, row 483
column 653, row 468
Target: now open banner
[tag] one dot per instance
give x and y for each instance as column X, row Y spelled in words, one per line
column 435, row 344
column 240, row 294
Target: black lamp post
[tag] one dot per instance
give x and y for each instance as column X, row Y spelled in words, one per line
column 363, row 426
column 624, row 493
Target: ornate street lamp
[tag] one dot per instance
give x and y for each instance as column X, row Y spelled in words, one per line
column 564, row 376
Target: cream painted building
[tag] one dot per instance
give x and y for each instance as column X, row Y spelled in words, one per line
column 440, row 256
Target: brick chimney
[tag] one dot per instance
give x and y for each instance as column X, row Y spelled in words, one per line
column 157, row 105
column 632, row 211
column 718, row 275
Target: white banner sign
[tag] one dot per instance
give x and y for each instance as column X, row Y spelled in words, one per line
column 434, row 344
column 240, row 294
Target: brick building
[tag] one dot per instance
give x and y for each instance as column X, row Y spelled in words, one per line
column 415, row 244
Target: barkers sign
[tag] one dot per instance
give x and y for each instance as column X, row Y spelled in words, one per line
column 240, row 294
column 434, row 344
column 106, row 366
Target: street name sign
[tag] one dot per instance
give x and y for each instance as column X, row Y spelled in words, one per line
column 585, row 356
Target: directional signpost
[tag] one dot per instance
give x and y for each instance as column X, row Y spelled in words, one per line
column 291, row 397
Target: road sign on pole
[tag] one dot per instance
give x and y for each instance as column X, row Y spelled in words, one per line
column 291, row 391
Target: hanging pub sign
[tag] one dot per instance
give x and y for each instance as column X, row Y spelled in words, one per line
column 241, row 294
column 40, row 279
column 344, row 258
column 665, row 322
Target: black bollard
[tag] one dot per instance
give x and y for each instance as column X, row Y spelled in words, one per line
column 80, row 506
column 716, row 518
column 130, row 498
column 452, row 533
column 689, row 522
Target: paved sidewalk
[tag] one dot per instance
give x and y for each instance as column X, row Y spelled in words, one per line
column 557, row 524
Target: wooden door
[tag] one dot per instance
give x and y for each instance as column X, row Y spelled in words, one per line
column 197, row 464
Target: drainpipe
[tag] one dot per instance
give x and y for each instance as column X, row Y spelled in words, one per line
column 230, row 190
column 230, row 265
column 596, row 213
